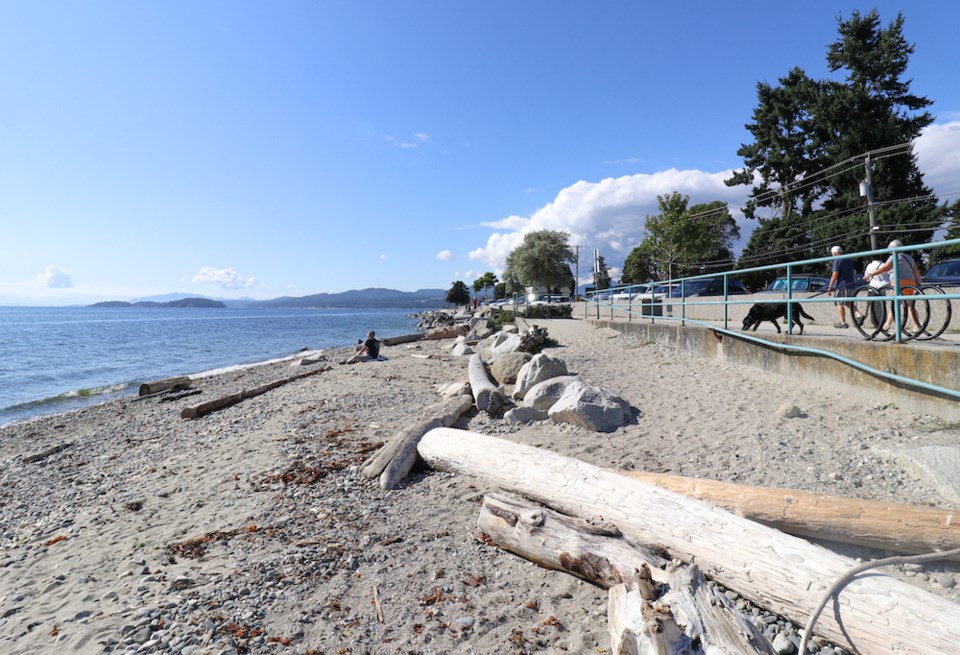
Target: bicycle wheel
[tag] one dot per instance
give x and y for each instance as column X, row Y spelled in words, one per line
column 868, row 315
column 941, row 311
column 909, row 309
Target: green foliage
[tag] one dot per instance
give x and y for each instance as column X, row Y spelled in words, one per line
column 501, row 318
column 499, row 290
column 809, row 151
column 603, row 275
column 557, row 310
column 484, row 282
column 459, row 293
column 543, row 259
column 682, row 241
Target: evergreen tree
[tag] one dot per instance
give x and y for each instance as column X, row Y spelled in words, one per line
column 603, row 275
column 459, row 293
column 811, row 141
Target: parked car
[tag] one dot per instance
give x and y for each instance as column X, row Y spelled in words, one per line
column 710, row 286
column 799, row 283
column 945, row 273
column 550, row 298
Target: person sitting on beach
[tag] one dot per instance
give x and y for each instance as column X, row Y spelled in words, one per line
column 370, row 349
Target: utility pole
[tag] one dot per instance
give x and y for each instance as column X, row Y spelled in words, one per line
column 866, row 190
column 576, row 279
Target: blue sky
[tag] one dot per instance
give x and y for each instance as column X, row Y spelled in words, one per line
column 262, row 149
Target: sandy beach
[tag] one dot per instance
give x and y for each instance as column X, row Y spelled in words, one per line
column 126, row 528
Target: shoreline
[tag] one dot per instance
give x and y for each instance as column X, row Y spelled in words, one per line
column 100, row 537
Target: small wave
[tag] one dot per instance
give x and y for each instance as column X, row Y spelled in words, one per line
column 69, row 397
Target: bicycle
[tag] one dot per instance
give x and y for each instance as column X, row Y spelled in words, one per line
column 932, row 318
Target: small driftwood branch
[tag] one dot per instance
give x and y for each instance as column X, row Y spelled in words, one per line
column 887, row 526
column 228, row 401
column 43, row 454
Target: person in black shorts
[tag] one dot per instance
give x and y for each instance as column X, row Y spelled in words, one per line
column 842, row 279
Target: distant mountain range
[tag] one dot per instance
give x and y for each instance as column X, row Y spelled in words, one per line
column 183, row 302
column 375, row 298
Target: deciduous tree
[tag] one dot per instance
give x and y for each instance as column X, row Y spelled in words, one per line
column 543, row 259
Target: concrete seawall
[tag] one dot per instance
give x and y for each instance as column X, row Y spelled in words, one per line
column 935, row 363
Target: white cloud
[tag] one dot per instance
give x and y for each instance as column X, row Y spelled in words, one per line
column 55, row 277
column 224, row 278
column 936, row 149
column 445, row 255
column 609, row 215
column 420, row 138
column 383, row 258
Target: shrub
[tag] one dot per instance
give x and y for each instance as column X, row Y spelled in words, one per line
column 549, row 311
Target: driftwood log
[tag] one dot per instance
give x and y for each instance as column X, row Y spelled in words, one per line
column 485, row 393
column 887, row 526
column 228, row 401
column 395, row 460
column 403, row 338
column 873, row 614
column 600, row 555
column 168, row 384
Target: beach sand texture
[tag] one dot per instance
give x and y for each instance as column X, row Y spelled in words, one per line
column 126, row 528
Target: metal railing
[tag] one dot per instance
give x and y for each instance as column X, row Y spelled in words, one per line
column 659, row 300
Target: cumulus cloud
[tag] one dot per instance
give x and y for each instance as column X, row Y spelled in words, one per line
column 223, row 278
column 55, row 277
column 445, row 255
column 936, row 149
column 607, row 215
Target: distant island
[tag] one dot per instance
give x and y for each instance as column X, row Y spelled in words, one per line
column 183, row 302
column 373, row 298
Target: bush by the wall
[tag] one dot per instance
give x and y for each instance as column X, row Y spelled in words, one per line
column 549, row 311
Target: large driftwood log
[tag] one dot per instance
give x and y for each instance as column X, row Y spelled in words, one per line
column 486, row 394
column 600, row 555
column 873, row 614
column 228, row 401
column 888, row 526
column 403, row 338
column 395, row 460
column 159, row 386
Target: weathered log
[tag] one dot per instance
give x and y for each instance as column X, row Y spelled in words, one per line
column 403, row 338
column 887, row 526
column 442, row 414
column 486, row 394
column 157, row 386
column 400, row 466
column 228, row 401
column 873, row 614
column 600, row 555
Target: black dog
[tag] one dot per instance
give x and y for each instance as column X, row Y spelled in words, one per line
column 771, row 311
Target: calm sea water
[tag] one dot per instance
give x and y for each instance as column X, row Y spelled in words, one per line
column 57, row 358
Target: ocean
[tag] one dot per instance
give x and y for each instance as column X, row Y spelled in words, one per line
column 53, row 359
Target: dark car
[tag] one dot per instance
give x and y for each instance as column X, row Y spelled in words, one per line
column 798, row 283
column 711, row 286
column 946, row 273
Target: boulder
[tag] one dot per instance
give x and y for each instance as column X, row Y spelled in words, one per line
column 519, row 415
column 504, row 368
column 590, row 407
column 446, row 332
column 544, row 394
column 462, row 349
column 540, row 367
column 504, row 342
